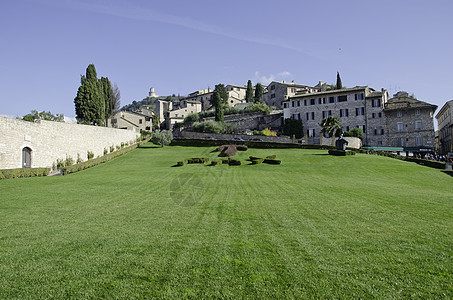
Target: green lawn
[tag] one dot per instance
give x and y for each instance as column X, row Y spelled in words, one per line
column 316, row 226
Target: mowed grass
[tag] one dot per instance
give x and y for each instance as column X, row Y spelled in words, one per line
column 316, row 226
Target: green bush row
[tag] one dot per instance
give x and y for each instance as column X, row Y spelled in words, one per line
column 427, row 162
column 94, row 162
column 193, row 160
column 268, row 160
column 23, row 172
column 253, row 144
column 340, row 152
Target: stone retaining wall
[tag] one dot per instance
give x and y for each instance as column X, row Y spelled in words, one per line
column 50, row 141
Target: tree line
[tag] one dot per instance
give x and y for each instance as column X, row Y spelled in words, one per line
column 96, row 100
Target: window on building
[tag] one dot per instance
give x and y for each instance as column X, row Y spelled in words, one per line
column 286, row 105
column 379, row 131
column 311, row 132
column 344, row 112
column 360, row 111
column 418, row 141
column 305, row 102
column 376, row 103
column 362, row 127
column 147, row 119
column 345, row 128
column 293, row 90
column 296, row 116
column 312, row 102
column 148, row 128
column 399, row 126
column 331, row 99
column 358, row 96
column 326, row 113
column 342, row 98
column 400, row 142
column 311, row 115
column 417, row 112
column 272, row 95
column 140, row 121
column 418, row 125
column 379, row 143
column 272, row 87
column 399, row 114
column 324, row 101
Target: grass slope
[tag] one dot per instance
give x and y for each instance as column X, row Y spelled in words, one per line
column 316, row 226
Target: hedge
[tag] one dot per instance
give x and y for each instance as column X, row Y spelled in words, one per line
column 427, row 162
column 341, row 152
column 97, row 161
column 23, row 172
column 253, row 144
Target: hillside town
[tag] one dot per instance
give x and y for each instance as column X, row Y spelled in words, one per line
column 398, row 123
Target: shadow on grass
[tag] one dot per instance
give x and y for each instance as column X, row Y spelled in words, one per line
column 149, row 147
column 448, row 173
column 321, row 154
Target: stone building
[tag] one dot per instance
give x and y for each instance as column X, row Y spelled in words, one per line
column 202, row 96
column 278, row 92
column 402, row 121
column 445, row 126
column 236, row 94
column 360, row 107
column 409, row 123
column 187, row 107
column 130, row 120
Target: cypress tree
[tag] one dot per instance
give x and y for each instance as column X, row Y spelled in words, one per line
column 339, row 86
column 89, row 102
column 249, row 92
column 258, row 92
column 217, row 102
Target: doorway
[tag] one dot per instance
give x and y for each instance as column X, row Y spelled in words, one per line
column 26, row 157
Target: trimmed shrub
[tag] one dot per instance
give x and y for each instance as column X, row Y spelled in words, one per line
column 271, row 156
column 427, row 162
column 112, row 149
column 216, row 162
column 197, row 160
column 242, row 147
column 94, row 162
column 234, row 162
column 90, row 155
column 254, row 157
column 181, row 163
column 272, row 161
column 257, row 161
column 23, row 172
column 341, row 152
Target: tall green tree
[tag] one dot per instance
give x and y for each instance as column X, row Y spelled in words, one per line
column 293, row 127
column 218, row 105
column 258, row 92
column 220, row 88
column 339, row 86
column 90, row 102
column 249, row 92
column 330, row 125
column 108, row 96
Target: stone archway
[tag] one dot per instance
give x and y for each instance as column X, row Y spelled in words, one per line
column 26, row 157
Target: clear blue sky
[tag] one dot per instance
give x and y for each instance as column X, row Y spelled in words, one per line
column 179, row 46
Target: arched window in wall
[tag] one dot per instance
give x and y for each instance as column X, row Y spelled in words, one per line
column 26, row 157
